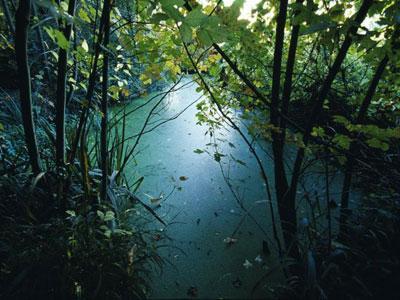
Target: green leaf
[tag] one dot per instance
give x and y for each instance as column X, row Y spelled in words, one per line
column 340, row 119
column 71, row 213
column 170, row 7
column 375, row 143
column 57, row 37
column 100, row 214
column 313, row 28
column 61, row 41
column 109, row 216
column 204, row 37
column 158, row 17
column 219, row 34
column 236, row 8
column 342, row 140
column 195, row 18
column 318, row 131
column 186, row 33
column 83, row 15
column 172, row 3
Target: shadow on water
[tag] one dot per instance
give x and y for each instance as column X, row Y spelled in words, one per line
column 201, row 210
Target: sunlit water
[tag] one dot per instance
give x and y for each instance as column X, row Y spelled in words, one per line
column 200, row 208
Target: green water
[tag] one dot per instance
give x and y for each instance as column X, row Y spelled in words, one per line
column 201, row 210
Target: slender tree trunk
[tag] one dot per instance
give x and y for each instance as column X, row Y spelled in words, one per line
column 319, row 98
column 104, row 104
column 90, row 90
column 7, row 14
column 350, row 162
column 61, row 91
column 21, row 41
column 287, row 86
column 287, row 210
column 281, row 185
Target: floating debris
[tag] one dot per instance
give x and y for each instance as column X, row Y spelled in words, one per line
column 183, row 178
column 155, row 200
column 247, row 264
column 258, row 259
column 198, row 221
column 230, row 241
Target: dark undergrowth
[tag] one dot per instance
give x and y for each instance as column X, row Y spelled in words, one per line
column 84, row 252
column 363, row 265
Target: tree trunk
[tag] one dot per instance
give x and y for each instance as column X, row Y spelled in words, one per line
column 104, row 104
column 287, row 86
column 22, row 24
column 281, row 184
column 61, row 91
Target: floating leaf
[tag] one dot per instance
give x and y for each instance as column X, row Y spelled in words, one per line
column 258, row 259
column 198, row 151
column 230, row 241
column 217, row 156
column 247, row 264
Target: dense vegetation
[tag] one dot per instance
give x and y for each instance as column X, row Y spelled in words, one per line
column 316, row 77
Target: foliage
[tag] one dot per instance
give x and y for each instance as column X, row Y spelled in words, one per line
column 77, row 254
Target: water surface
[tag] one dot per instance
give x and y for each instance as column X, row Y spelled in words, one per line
column 199, row 206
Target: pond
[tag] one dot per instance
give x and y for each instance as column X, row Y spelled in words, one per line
column 177, row 160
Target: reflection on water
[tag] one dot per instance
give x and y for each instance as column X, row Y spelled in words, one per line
column 202, row 210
